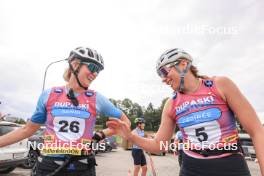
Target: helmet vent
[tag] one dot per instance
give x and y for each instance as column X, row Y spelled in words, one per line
column 90, row 53
column 82, row 51
column 173, row 55
column 171, row 51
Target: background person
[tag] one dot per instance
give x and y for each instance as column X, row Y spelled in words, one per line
column 137, row 153
column 178, row 141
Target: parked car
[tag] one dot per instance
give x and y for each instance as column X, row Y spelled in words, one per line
column 34, row 152
column 110, row 143
column 247, row 145
column 13, row 155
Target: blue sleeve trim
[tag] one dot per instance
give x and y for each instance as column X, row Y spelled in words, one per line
column 40, row 114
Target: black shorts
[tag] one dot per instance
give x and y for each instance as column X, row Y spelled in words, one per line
column 234, row 165
column 139, row 157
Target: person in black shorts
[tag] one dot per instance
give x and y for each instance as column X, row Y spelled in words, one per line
column 178, row 142
column 137, row 153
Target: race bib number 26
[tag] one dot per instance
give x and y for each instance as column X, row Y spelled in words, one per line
column 69, row 128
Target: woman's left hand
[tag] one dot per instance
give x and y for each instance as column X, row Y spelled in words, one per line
column 120, row 127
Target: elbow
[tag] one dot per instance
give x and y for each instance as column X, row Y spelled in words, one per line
column 161, row 146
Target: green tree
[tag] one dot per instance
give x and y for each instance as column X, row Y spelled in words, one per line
column 20, row 121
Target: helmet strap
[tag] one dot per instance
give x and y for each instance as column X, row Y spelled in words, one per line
column 72, row 97
column 75, row 72
column 182, row 76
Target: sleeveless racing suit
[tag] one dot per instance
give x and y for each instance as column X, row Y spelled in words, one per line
column 210, row 138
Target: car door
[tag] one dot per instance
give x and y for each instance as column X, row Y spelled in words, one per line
column 15, row 151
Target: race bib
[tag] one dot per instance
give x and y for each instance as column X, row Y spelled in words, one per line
column 69, row 128
column 202, row 127
column 204, row 134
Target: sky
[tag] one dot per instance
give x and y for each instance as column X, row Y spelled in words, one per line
column 225, row 38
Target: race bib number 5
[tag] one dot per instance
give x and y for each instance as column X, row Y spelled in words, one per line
column 202, row 126
column 69, row 128
column 207, row 133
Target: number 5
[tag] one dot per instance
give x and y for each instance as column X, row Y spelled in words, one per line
column 201, row 135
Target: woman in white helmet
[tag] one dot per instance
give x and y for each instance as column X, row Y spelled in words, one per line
column 204, row 109
column 69, row 114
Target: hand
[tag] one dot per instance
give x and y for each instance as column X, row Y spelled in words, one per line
column 120, row 127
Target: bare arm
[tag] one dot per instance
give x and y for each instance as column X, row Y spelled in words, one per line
column 245, row 113
column 164, row 133
column 17, row 135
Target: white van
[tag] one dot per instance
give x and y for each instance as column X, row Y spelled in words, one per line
column 12, row 155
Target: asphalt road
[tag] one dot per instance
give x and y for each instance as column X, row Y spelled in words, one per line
column 119, row 162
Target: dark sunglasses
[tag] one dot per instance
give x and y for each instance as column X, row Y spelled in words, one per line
column 92, row 67
column 164, row 71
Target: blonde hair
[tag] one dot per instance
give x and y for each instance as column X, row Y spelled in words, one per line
column 67, row 73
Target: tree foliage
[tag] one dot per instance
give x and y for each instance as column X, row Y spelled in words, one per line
column 133, row 110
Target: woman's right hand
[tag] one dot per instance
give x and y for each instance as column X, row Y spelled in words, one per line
column 121, row 127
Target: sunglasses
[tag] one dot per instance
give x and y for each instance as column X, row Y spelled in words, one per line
column 92, row 67
column 164, row 71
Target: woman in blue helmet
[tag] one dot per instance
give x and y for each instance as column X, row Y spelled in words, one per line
column 204, row 109
column 69, row 114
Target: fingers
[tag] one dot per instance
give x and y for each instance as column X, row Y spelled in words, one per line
column 112, row 124
column 121, row 128
column 114, row 119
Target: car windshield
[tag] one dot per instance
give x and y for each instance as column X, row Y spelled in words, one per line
column 6, row 129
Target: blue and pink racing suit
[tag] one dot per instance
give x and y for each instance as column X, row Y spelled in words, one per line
column 68, row 126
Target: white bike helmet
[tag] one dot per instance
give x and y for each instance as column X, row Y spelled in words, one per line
column 171, row 56
column 174, row 56
column 87, row 55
